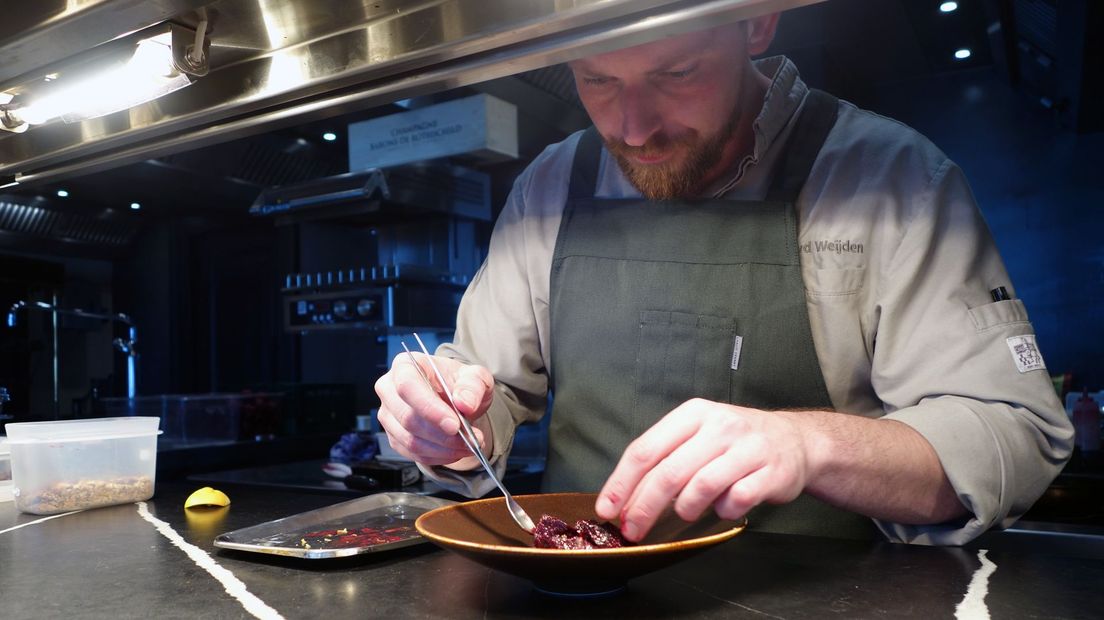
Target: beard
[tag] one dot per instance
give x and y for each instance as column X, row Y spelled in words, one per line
column 678, row 177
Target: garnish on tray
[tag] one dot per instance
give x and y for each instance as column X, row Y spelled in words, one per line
column 554, row 533
column 349, row 537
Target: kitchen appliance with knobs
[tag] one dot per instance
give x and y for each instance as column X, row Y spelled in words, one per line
column 420, row 222
column 377, row 254
column 382, row 297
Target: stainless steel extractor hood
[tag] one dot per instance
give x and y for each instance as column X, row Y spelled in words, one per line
column 274, row 63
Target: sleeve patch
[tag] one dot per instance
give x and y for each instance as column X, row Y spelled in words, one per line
column 1026, row 353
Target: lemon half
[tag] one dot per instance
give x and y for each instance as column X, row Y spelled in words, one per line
column 207, row 497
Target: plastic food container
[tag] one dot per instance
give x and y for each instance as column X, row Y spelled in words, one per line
column 79, row 464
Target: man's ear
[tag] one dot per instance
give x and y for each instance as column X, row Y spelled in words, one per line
column 760, row 31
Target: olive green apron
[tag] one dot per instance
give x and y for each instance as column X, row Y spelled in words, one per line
column 653, row 303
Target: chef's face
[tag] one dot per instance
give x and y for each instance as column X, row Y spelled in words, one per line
column 669, row 111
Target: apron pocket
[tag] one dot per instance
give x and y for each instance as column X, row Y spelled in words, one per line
column 680, row 356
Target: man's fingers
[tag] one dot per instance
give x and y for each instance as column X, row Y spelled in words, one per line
column 711, row 482
column 429, row 405
column 472, row 390
column 418, row 423
column 664, row 482
column 416, row 415
column 423, row 450
column 640, row 457
column 743, row 495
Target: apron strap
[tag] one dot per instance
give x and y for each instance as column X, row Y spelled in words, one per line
column 817, row 118
column 584, row 170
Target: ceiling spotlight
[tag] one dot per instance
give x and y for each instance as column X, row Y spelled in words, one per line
column 135, row 206
column 329, row 136
column 948, row 7
column 962, row 54
column 62, row 193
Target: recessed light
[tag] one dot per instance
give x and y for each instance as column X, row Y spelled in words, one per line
column 135, row 206
column 962, row 54
column 329, row 136
column 62, row 193
column 948, row 7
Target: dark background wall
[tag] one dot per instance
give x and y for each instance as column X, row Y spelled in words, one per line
column 204, row 291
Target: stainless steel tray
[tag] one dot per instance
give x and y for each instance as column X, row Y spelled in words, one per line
column 374, row 523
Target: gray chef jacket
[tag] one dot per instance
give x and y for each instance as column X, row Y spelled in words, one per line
column 898, row 265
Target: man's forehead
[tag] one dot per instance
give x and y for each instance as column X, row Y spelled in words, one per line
column 651, row 56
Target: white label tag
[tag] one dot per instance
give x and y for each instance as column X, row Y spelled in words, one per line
column 1025, row 353
column 736, row 346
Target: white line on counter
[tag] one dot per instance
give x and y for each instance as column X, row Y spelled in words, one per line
column 973, row 605
column 234, row 586
column 16, row 527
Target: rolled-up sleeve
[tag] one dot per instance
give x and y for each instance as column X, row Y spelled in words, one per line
column 963, row 370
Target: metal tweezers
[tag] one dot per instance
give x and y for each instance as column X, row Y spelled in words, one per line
column 467, row 434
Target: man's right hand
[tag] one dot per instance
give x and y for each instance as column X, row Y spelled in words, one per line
column 419, row 422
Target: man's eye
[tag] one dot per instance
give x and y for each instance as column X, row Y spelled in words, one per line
column 678, row 75
column 595, row 81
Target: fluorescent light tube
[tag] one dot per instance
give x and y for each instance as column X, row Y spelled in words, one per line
column 147, row 75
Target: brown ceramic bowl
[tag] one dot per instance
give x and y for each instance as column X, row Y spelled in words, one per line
column 483, row 531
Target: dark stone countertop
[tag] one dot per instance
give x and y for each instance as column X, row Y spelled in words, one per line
column 111, row 563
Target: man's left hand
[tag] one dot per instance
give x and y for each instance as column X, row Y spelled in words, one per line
column 704, row 454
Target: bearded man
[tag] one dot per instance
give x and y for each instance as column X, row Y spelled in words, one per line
column 745, row 294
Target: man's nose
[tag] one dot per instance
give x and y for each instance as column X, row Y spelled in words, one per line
column 640, row 115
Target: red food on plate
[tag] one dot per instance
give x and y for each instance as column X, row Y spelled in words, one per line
column 554, row 533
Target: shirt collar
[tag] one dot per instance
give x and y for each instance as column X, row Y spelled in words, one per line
column 784, row 97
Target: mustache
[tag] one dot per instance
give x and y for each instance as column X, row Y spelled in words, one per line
column 656, row 145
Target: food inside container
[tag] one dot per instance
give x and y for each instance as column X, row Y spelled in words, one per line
column 79, row 464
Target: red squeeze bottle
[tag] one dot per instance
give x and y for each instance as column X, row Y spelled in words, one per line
column 1086, row 422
